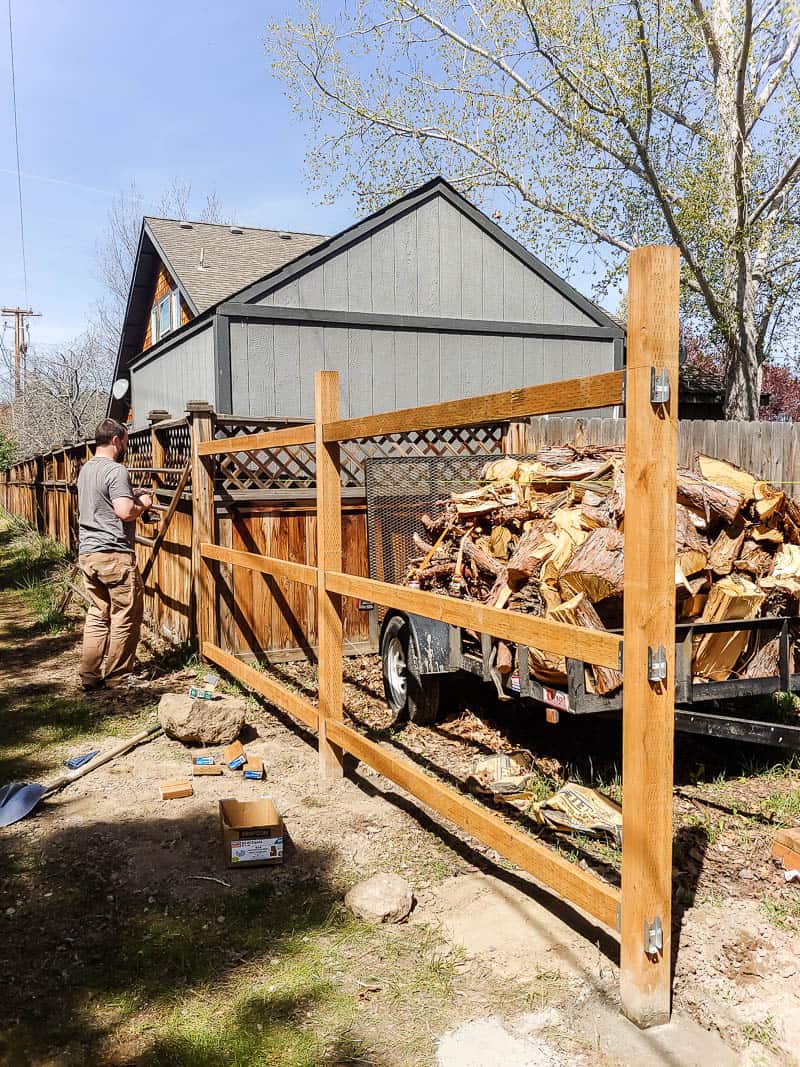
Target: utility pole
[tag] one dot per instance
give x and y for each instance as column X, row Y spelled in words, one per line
column 20, row 344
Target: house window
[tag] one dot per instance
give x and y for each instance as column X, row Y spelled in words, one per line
column 165, row 315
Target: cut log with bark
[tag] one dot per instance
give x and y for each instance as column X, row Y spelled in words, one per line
column 596, row 568
column 707, row 498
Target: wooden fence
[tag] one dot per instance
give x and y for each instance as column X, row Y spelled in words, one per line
column 268, row 511
column 641, row 910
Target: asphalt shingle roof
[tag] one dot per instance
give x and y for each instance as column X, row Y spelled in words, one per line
column 213, row 261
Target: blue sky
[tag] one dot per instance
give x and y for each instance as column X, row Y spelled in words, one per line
column 109, row 92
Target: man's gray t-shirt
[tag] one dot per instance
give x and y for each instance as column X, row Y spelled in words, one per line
column 100, row 481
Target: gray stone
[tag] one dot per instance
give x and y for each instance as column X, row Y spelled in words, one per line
column 384, row 898
column 202, row 722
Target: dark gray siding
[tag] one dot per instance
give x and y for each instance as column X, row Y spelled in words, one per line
column 432, row 261
column 182, row 373
column 272, row 366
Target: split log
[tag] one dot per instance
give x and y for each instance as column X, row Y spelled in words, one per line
column 551, row 668
column 753, row 559
column 707, row 498
column 691, row 551
column 716, row 654
column 721, row 473
column 768, row 500
column 504, row 661
column 727, row 547
column 596, row 569
column 531, row 551
column 766, row 534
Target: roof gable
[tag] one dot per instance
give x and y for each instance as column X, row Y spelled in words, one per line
column 437, row 187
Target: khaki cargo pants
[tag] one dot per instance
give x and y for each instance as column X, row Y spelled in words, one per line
column 113, row 621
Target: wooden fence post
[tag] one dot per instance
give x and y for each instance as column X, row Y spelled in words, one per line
column 156, row 447
column 648, row 718
column 203, row 613
column 329, row 558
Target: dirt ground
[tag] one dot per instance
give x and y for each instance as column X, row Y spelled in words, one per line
column 127, row 941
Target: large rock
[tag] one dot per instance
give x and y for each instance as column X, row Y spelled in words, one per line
column 202, row 722
column 384, row 898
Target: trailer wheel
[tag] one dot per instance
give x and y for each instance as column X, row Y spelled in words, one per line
column 407, row 691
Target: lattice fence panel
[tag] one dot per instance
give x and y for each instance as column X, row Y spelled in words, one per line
column 295, row 467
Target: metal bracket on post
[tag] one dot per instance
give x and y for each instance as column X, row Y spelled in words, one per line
column 653, row 937
column 656, row 664
column 659, row 386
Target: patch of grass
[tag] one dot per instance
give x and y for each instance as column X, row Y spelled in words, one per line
column 785, row 914
column 764, row 1032
column 782, row 808
column 36, row 567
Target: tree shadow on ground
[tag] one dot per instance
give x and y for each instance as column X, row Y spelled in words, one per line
column 116, row 922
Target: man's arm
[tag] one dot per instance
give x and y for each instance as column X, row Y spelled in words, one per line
column 126, row 508
column 127, row 502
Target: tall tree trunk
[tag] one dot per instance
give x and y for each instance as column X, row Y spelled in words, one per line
column 743, row 380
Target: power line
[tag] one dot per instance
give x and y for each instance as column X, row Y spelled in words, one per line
column 16, row 139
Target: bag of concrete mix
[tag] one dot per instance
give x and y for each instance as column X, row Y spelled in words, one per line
column 579, row 809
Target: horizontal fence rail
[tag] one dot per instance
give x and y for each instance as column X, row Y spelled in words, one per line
column 594, row 646
column 576, row 394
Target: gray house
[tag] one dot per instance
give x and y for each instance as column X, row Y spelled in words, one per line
column 423, row 301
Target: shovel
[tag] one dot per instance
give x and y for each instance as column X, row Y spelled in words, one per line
column 19, row 799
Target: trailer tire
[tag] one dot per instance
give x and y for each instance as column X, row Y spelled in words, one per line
column 408, row 692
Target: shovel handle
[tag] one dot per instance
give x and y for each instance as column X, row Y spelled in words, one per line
column 104, row 757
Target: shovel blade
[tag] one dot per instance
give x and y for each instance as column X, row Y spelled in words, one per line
column 18, row 800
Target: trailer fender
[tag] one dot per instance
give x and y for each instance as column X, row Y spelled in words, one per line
column 431, row 641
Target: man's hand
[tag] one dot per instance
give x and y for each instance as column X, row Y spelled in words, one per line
column 143, row 498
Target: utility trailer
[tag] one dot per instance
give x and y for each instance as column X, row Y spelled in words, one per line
column 418, row 653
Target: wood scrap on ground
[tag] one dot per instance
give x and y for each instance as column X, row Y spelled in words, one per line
column 545, row 536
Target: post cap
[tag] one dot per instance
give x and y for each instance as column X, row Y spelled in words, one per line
column 157, row 415
column 199, row 407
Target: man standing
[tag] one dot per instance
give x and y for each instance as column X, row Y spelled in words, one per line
column 108, row 507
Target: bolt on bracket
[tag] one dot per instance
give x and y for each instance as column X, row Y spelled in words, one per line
column 656, row 664
column 659, row 386
column 653, row 937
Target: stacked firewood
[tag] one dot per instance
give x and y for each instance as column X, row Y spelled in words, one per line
column 545, row 536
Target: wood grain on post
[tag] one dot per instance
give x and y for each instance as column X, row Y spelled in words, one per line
column 329, row 558
column 648, row 718
column 203, row 526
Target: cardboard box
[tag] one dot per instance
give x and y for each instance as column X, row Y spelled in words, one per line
column 254, row 768
column 204, row 759
column 252, row 832
column 179, row 787
column 235, row 756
